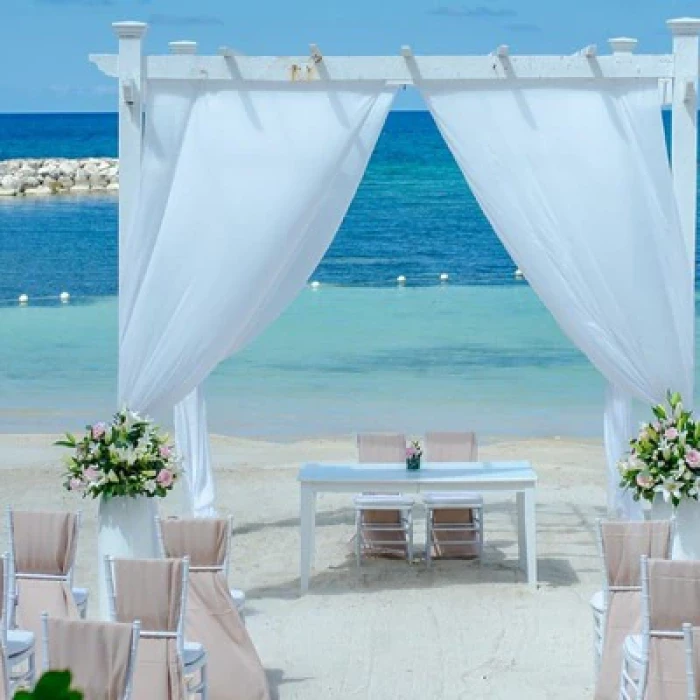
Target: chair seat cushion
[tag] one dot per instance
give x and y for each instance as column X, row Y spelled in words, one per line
column 19, row 642
column 453, row 498
column 598, row 602
column 193, row 652
column 80, row 595
column 381, row 501
column 238, row 598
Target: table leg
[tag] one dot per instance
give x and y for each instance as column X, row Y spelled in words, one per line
column 531, row 537
column 522, row 544
column 307, row 523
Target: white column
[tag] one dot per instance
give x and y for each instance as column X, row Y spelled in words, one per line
column 131, row 82
column 684, row 124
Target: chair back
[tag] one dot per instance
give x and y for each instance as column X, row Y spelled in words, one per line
column 450, row 447
column 101, row 656
column 380, row 448
column 153, row 591
column 206, row 541
column 622, row 544
column 670, row 599
column 43, row 543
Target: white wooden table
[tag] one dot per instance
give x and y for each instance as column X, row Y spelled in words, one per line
column 515, row 477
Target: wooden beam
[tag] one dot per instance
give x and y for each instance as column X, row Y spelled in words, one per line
column 621, row 66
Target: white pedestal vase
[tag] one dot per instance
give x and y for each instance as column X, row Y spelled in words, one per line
column 126, row 529
column 686, row 526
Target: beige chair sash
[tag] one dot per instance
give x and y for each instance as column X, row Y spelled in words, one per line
column 381, row 448
column 450, row 447
column 233, row 666
column 44, row 543
column 150, row 590
column 674, row 599
column 624, row 543
column 96, row 653
column 453, row 447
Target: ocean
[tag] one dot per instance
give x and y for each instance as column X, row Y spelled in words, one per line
column 358, row 353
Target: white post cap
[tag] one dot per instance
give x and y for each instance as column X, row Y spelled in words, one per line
column 623, row 44
column 684, row 25
column 183, row 47
column 129, row 30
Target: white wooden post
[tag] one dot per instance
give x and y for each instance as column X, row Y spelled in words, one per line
column 131, row 82
column 684, row 124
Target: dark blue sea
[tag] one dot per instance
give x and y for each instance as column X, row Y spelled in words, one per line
column 357, row 353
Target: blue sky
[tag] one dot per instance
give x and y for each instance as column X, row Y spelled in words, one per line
column 44, row 43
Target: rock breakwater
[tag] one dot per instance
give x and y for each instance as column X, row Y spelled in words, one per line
column 48, row 176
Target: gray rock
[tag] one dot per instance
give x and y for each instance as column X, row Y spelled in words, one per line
column 41, row 190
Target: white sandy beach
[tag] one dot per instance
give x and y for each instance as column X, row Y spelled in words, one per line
column 390, row 630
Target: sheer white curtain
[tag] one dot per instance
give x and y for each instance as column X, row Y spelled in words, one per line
column 242, row 193
column 576, row 183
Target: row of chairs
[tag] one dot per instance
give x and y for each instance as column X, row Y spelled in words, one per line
column 646, row 616
column 154, row 604
column 384, row 522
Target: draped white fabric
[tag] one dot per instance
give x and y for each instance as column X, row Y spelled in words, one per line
column 576, row 183
column 241, row 195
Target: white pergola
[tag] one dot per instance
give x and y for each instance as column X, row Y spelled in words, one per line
column 677, row 73
column 473, row 79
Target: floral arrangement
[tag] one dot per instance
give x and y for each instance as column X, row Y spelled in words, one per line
column 413, row 455
column 665, row 457
column 129, row 457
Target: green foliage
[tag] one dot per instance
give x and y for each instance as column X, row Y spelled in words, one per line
column 53, row 685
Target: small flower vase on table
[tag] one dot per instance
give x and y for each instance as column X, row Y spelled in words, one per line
column 413, row 456
column 126, row 464
column 663, row 468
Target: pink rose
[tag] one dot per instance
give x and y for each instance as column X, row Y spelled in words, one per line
column 165, row 452
column 75, row 484
column 645, row 481
column 165, row 478
column 98, row 430
column 410, row 452
column 692, row 457
column 92, row 474
column 671, row 434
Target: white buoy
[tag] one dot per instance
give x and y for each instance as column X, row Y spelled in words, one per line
column 64, row 297
column 519, row 273
column 401, row 279
column 315, row 284
column 23, row 299
column 444, row 277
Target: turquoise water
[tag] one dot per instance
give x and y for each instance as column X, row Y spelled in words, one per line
column 356, row 354
column 340, row 359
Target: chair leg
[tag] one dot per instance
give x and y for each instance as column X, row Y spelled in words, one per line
column 31, row 671
column 358, row 538
column 204, row 681
column 428, row 536
column 409, row 524
column 481, row 533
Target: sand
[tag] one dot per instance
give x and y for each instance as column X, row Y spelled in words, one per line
column 389, row 630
